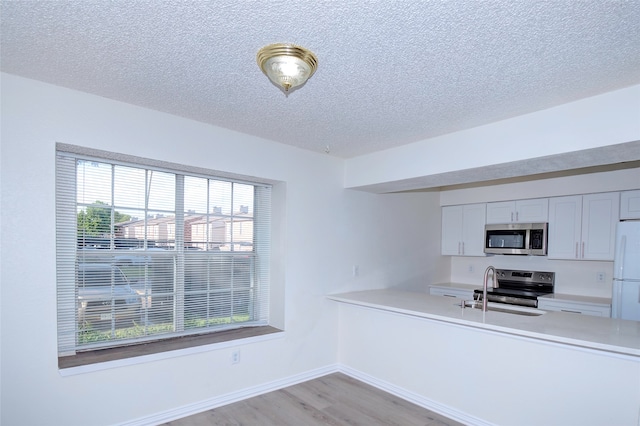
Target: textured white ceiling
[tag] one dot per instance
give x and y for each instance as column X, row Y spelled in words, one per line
column 390, row 72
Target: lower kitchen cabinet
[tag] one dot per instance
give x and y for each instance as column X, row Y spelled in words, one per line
column 461, row 292
column 595, row 306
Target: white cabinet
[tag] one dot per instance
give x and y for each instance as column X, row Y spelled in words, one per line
column 583, row 226
column 520, row 211
column 565, row 225
column 630, row 205
column 460, row 293
column 576, row 304
column 463, row 230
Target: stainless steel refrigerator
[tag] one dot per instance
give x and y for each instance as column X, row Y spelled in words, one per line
column 625, row 300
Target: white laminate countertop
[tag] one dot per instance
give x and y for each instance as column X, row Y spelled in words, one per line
column 599, row 301
column 598, row 333
column 457, row 285
column 590, row 300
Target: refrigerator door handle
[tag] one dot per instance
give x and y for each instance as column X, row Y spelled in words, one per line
column 619, row 313
column 620, row 256
column 616, row 300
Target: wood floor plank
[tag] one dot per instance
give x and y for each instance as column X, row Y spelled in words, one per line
column 316, row 392
column 279, row 408
column 377, row 405
column 332, row 400
column 391, row 409
column 309, row 408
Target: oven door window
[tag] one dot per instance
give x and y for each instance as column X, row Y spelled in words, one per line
column 506, row 239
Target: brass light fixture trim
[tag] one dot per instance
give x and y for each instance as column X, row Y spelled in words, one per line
column 287, row 65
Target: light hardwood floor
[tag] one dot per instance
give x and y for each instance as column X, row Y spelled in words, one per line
column 335, row 399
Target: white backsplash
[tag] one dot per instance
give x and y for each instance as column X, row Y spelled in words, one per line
column 572, row 277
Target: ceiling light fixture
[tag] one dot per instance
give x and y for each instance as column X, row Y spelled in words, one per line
column 287, row 65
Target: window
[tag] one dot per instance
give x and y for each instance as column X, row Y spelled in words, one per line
column 149, row 253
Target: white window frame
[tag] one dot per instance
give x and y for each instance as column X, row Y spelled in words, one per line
column 67, row 246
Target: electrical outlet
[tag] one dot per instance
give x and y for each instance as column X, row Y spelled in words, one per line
column 600, row 276
column 235, row 356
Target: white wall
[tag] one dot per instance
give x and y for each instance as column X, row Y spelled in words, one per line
column 599, row 121
column 325, row 230
column 572, row 277
column 489, row 378
column 394, row 240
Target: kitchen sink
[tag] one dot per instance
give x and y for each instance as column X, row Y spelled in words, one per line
column 501, row 307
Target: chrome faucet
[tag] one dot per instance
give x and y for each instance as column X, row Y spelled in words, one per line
column 484, row 285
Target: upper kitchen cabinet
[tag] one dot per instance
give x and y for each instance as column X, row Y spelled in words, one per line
column 463, row 230
column 630, row 205
column 583, row 227
column 521, row 211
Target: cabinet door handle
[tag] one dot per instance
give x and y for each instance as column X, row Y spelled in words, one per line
column 511, row 216
column 462, row 248
column 573, row 312
column 459, row 247
column 577, row 251
column 583, row 249
column 517, row 217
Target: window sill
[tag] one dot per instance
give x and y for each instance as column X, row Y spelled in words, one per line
column 135, row 354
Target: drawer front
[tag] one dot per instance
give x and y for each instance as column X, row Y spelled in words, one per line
column 451, row 292
column 575, row 307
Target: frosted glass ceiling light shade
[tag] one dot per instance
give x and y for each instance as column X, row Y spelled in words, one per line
column 287, row 65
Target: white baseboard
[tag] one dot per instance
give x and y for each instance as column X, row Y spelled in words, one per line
column 414, row 398
column 219, row 401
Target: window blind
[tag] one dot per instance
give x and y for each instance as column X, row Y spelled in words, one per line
column 146, row 254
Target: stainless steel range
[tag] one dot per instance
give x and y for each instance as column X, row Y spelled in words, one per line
column 519, row 287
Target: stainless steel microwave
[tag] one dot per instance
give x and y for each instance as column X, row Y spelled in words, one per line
column 516, row 238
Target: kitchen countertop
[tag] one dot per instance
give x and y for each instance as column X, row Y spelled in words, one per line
column 580, row 299
column 605, row 334
column 457, row 285
column 552, row 296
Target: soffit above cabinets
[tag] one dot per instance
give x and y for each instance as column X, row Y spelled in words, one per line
column 595, row 160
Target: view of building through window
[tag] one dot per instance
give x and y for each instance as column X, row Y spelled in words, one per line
column 161, row 254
